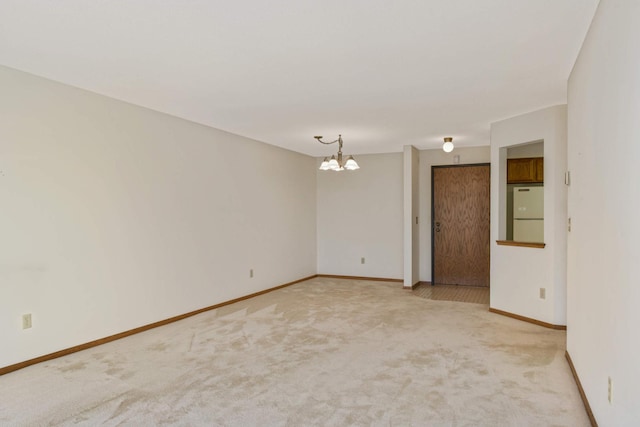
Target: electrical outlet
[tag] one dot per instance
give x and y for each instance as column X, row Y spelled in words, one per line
column 610, row 393
column 362, row 260
column 569, row 224
column 543, row 293
column 251, row 273
column 26, row 321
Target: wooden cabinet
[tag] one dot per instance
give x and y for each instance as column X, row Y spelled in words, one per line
column 530, row 169
column 540, row 169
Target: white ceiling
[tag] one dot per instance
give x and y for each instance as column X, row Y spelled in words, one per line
column 383, row 73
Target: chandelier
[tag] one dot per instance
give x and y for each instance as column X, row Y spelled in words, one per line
column 335, row 163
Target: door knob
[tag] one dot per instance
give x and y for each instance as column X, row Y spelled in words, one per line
column 437, row 227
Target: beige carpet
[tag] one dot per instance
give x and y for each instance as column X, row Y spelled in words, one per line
column 323, row 352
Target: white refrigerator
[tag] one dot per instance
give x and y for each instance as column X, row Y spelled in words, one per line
column 528, row 214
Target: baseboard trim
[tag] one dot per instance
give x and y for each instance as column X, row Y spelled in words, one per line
column 587, row 407
column 528, row 319
column 85, row 346
column 374, row 279
column 415, row 285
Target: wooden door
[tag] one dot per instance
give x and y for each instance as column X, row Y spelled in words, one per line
column 460, row 224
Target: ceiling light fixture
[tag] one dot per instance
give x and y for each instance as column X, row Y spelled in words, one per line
column 335, row 163
column 448, row 145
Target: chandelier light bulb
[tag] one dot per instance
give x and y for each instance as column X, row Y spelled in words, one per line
column 325, row 164
column 351, row 164
column 333, row 163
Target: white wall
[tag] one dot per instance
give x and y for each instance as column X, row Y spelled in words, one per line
column 411, row 213
column 113, row 216
column 430, row 158
column 518, row 273
column 603, row 311
column 535, row 149
column 360, row 214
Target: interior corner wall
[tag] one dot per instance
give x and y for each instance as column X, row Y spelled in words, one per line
column 411, row 219
column 115, row 216
column 603, row 310
column 360, row 215
column 427, row 159
column 518, row 273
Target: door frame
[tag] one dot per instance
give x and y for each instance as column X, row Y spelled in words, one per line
column 433, row 211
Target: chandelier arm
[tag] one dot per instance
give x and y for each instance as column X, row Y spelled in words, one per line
column 319, row 138
column 326, row 143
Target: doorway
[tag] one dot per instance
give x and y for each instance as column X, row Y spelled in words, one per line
column 460, row 223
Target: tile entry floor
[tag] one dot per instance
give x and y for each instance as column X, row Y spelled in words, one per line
column 472, row 294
